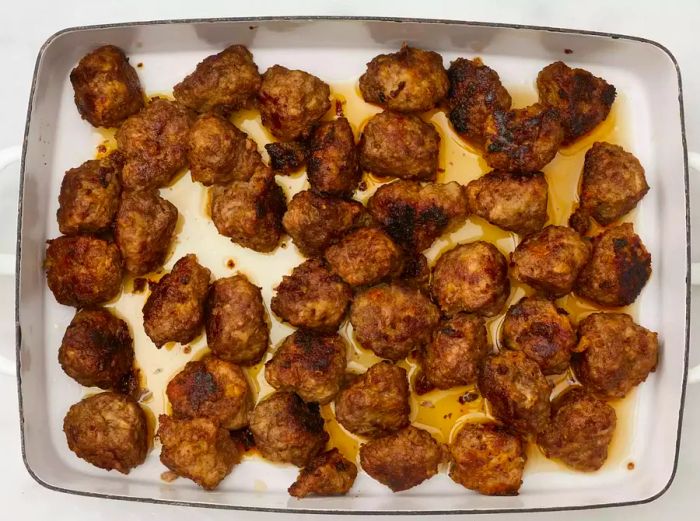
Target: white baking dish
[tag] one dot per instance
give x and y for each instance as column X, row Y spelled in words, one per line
column 336, row 50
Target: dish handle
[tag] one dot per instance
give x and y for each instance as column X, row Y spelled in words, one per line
column 694, row 372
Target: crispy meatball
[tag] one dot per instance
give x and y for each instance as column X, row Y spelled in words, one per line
column 580, row 432
column 223, row 82
column 108, row 430
column 618, row 269
column 197, row 449
column 107, row 88
column 236, row 321
column 97, row 349
column 582, row 99
column 522, row 140
column 517, row 391
column 414, row 215
column 82, row 270
column 516, row 202
column 328, row 474
column 287, row 429
column 375, row 403
column 89, row 196
column 144, row 230
column 291, row 102
column 333, row 163
column 400, row 145
column 174, row 311
column 287, row 157
column 411, row 80
column 550, row 260
column 473, row 278
column 312, row 297
column 616, row 354
column 154, row 144
column 416, row 272
column 488, row 458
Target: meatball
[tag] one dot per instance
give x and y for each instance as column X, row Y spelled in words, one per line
column 333, row 163
column 416, row 272
column 312, row 297
column 580, row 432
column 107, row 88
column 144, row 230
column 411, row 80
column 287, row 429
column 400, row 145
column 375, row 403
column 309, row 364
column 291, row 102
column 522, row 140
column 174, row 311
column 82, row 270
column 197, row 449
column 517, row 391
column 618, row 269
column 222, row 82
column 328, row 474
column 550, row 260
column 236, row 321
column 473, row 278
column 89, row 196
column 97, row 349
column 403, row 459
column 516, row 202
column 154, row 144
column 287, row 157
column 414, row 215
column 488, row 458
column 616, row 354
column 108, row 430
column 582, row 99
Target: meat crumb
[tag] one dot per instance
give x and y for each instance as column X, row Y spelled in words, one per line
column 421, row 385
column 139, row 285
column 139, row 65
column 469, row 396
column 630, row 465
column 168, row 476
column 339, row 108
column 428, row 404
column 568, row 51
column 101, row 149
column 230, row 264
column 363, row 186
column 187, row 350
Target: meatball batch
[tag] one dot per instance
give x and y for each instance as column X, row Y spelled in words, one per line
column 332, row 159
column 328, row 474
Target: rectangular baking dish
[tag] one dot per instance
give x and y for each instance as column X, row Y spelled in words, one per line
column 336, row 49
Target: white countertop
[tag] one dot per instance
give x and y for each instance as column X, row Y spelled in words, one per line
column 28, row 23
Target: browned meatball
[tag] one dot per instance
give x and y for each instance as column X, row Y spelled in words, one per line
column 144, row 230
column 516, row 202
column 107, row 88
column 400, row 145
column 174, row 311
column 287, row 429
column 82, row 270
column 582, row 99
column 312, row 297
column 488, row 458
column 375, row 403
column 154, row 144
column 473, row 278
column 411, row 80
column 108, row 430
column 416, row 272
column 414, row 215
column 97, row 349
column 617, row 354
column 236, row 321
column 328, row 474
column 333, row 164
column 550, row 260
column 618, row 269
column 580, row 432
column 287, row 157
column 522, row 140
column 291, row 102
column 517, row 391
column 224, row 82
column 89, row 196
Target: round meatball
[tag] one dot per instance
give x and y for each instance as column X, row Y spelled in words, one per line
column 107, row 89
column 473, row 278
column 82, row 270
column 328, row 474
column 287, row 157
column 411, row 80
column 616, row 354
column 108, row 430
column 400, row 145
column 291, row 102
column 97, row 349
column 287, row 429
column 236, row 321
column 333, row 163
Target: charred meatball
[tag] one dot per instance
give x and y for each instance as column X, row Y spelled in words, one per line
column 328, row 474
column 287, row 157
column 333, row 163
